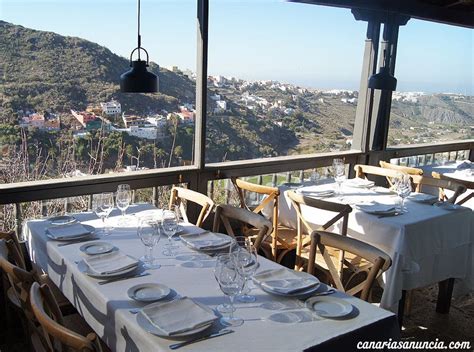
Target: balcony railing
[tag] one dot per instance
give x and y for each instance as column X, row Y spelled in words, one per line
column 203, row 180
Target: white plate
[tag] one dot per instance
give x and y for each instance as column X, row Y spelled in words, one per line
column 94, row 248
column 89, row 228
column 322, row 194
column 423, row 198
column 62, row 220
column 329, row 307
column 145, row 324
column 148, row 292
column 382, row 190
column 83, row 268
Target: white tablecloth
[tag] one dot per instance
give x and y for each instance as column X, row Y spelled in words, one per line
column 427, row 245
column 450, row 169
column 106, row 307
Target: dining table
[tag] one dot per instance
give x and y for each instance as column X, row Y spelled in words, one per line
column 427, row 243
column 271, row 323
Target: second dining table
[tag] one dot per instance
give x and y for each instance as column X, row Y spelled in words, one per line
column 283, row 325
column 427, row 244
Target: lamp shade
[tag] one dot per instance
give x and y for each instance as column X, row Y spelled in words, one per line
column 383, row 80
column 138, row 79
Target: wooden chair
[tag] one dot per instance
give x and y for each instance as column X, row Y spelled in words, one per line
column 304, row 230
column 379, row 261
column 441, row 184
column 55, row 335
column 178, row 194
column 283, row 239
column 363, row 170
column 224, row 213
column 468, row 184
column 404, row 169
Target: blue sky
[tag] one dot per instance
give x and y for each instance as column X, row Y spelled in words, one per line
column 313, row 46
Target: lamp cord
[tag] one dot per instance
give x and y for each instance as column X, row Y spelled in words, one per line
column 139, row 37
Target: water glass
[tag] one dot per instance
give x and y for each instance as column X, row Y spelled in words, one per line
column 169, row 225
column 339, row 173
column 403, row 189
column 123, row 199
column 231, row 283
column 149, row 233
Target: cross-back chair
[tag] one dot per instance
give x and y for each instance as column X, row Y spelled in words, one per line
column 283, row 239
column 55, row 336
column 349, row 283
column 178, row 194
column 404, row 169
column 225, row 213
column 468, row 184
column 304, row 229
column 441, row 184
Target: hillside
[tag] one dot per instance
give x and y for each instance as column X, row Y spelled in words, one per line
column 44, row 70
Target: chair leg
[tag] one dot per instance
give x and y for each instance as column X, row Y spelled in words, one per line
column 445, row 292
column 401, row 309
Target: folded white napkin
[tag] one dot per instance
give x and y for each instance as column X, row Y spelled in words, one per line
column 376, row 208
column 466, row 164
column 285, row 281
column 360, row 182
column 178, row 316
column 206, row 240
column 110, row 263
column 67, row 231
column 423, row 197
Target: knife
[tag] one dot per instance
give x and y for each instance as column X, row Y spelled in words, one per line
column 206, row 337
column 122, row 278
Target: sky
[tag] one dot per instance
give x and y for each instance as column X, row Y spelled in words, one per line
column 312, row 46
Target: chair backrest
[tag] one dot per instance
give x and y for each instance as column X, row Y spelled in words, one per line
column 270, row 201
column 379, row 261
column 226, row 212
column 404, row 169
column 468, row 184
column 178, row 194
column 441, row 184
column 56, row 337
column 363, row 170
column 341, row 211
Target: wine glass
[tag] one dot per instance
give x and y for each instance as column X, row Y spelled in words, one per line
column 149, row 233
column 102, row 205
column 403, row 188
column 223, row 308
column 230, row 283
column 123, row 200
column 246, row 261
column 169, row 224
column 339, row 173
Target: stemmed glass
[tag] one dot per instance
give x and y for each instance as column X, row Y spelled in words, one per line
column 245, row 258
column 230, row 283
column 102, row 205
column 339, row 173
column 403, row 188
column 123, row 199
column 149, row 233
column 169, row 224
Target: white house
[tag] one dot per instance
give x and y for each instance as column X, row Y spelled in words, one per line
column 113, row 107
column 149, row 132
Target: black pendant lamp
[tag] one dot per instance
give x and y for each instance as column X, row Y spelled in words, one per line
column 138, row 79
column 384, row 79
